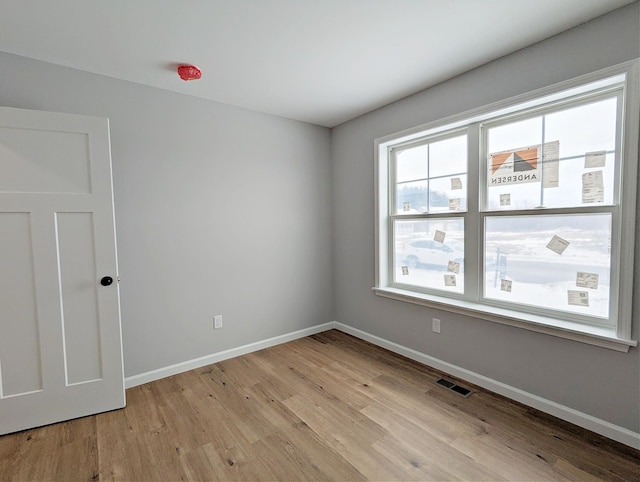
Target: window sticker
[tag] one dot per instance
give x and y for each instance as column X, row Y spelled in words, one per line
column 505, row 199
column 592, row 187
column 595, row 159
column 406, row 206
column 592, row 195
column 505, row 285
column 439, row 236
column 405, row 270
column 592, row 179
column 520, row 165
column 454, row 204
column 587, row 280
column 515, row 166
column 454, row 267
column 578, row 298
column 456, row 183
column 557, row 244
column 450, row 280
column 551, row 164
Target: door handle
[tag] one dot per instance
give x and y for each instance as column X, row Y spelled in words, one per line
column 106, row 281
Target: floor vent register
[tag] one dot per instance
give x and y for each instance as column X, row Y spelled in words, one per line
column 460, row 390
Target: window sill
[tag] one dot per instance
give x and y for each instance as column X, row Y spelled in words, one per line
column 592, row 335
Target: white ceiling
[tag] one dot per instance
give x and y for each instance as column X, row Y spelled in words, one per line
column 319, row 61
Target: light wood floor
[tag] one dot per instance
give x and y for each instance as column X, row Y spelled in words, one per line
column 326, row 407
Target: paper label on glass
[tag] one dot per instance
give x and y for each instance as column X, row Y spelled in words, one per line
column 405, row 270
column 592, row 195
column 587, row 280
column 521, row 165
column 557, row 244
column 595, row 159
column 454, row 204
column 406, row 206
column 439, row 236
column 578, row 298
column 454, row 267
column 515, row 166
column 551, row 164
column 505, row 199
column 456, row 183
column 505, row 285
column 449, row 279
column 592, row 187
column 592, row 179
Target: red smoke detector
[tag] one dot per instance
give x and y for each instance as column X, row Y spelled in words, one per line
column 189, row 72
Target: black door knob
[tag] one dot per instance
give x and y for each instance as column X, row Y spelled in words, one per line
column 106, row 281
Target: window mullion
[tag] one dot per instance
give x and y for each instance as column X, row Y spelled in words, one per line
column 473, row 238
column 391, row 213
column 541, row 160
column 428, row 178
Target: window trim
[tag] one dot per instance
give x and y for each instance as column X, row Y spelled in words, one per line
column 616, row 338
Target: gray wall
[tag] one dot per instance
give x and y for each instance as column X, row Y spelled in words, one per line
column 219, row 210
column 596, row 381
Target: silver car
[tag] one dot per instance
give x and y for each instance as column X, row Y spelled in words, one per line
column 427, row 252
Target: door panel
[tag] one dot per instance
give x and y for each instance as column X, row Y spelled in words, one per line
column 60, row 337
column 20, row 346
column 29, row 167
column 76, row 265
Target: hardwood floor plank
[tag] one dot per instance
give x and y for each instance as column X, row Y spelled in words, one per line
column 285, row 461
column 204, row 464
column 348, row 436
column 64, row 451
column 432, row 461
column 325, row 407
column 442, row 456
column 311, row 446
column 141, row 416
column 416, row 464
column 542, row 435
column 505, row 460
column 565, row 469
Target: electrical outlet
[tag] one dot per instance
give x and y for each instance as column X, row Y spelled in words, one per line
column 217, row 321
column 435, row 325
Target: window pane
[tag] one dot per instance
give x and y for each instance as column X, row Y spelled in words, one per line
column 585, row 128
column 557, row 262
column 448, row 157
column 577, row 190
column 522, row 133
column 430, row 253
column 577, row 168
column 412, row 197
column 448, row 194
column 411, row 164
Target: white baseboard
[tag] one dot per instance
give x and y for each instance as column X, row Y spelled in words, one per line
column 135, row 380
column 602, row 427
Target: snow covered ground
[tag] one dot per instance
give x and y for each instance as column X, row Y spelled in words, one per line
column 538, row 275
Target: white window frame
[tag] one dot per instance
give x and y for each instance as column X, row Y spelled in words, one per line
column 616, row 337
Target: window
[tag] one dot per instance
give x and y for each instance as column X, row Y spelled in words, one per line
column 522, row 213
column 430, row 176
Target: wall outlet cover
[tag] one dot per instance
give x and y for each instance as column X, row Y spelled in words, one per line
column 217, row 322
column 436, row 325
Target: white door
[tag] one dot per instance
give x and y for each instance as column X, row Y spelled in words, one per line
column 60, row 338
